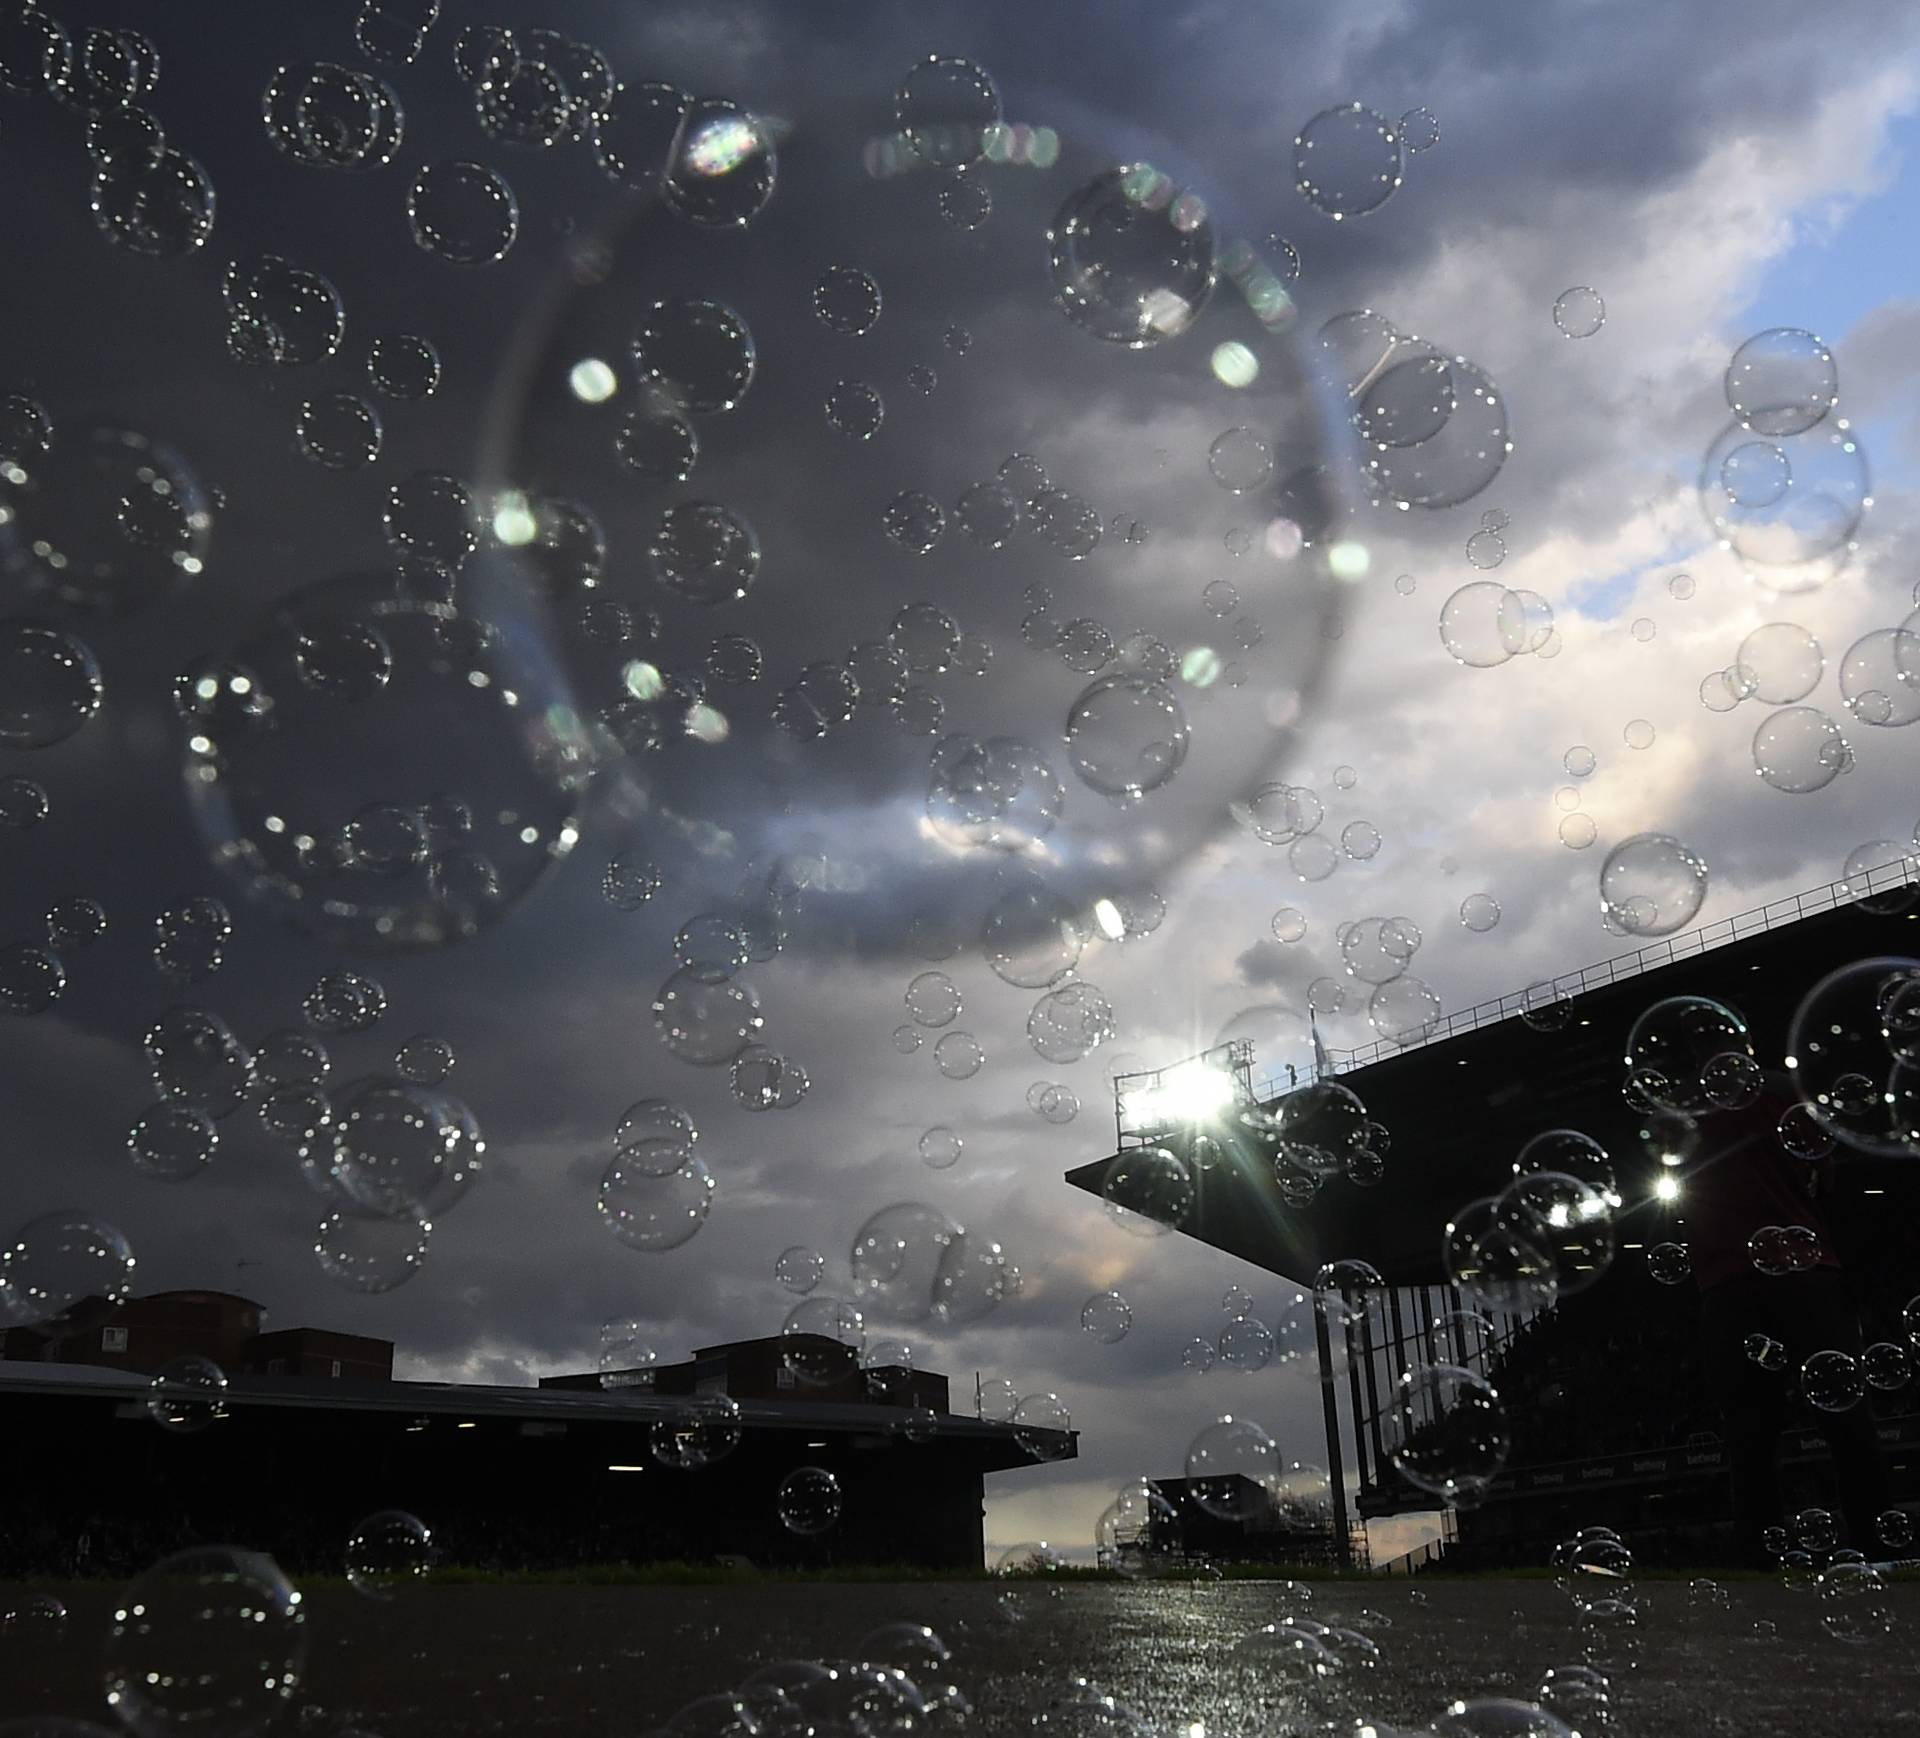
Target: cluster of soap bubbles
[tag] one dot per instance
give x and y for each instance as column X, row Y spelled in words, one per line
column 910, row 1262
column 1484, row 624
column 1432, row 425
column 899, row 1678
column 1784, row 486
column 656, row 1192
column 1549, row 1234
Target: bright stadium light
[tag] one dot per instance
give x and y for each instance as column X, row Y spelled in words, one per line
column 1667, row 1188
column 1193, row 1093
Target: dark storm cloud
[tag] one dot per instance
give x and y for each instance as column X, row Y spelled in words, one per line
column 1559, row 127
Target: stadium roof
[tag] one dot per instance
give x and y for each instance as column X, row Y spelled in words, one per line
column 475, row 1402
column 1460, row 1103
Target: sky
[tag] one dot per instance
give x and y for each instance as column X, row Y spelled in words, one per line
column 1711, row 172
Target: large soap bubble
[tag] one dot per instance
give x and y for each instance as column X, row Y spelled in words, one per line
column 1132, row 257
column 1652, row 884
column 210, row 1639
column 1447, row 1432
column 1853, row 1054
column 1782, row 381
column 400, row 774
column 1114, row 733
column 103, row 519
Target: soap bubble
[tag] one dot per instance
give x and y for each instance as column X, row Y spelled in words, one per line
column 378, row 700
column 1783, row 661
column 1106, row 1317
column 1127, row 736
column 958, row 1055
column 1447, row 1432
column 1456, row 462
column 1043, row 1427
column 161, row 206
column 1479, row 912
column 172, row 1142
column 698, row 353
column 1851, row 1052
column 403, row 365
column 1149, row 1190
column 1832, row 1381
column 1419, row 131
column 1347, row 161
column 1674, row 1042
column 463, row 212
column 1239, row 460
column 49, row 685
column 1289, row 924
column 1875, row 680
column 698, row 1432
column 31, row 978
column 1405, row 1010
column 1470, row 625
column 1246, row 1344
column 55, row 1261
column 1491, row 1257
column 800, row 1269
column 103, row 520
column 933, row 1000
column 1670, row 1263
column 900, row 1257
column 650, row 1211
column 1565, row 1217
column 846, row 300
column 1799, row 749
column 808, row 1501
column 1579, row 312
column 1234, row 1469
column 210, row 1637
column 855, row 409
column 1782, row 381
column 1652, row 884
column 1132, row 258
column 338, row 430
column 707, row 1023
column 946, row 108
column 722, row 167
column 1788, row 507
column 367, row 1254
column 387, row 1550
column 1069, row 1023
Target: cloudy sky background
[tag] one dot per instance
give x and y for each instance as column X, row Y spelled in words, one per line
column 1711, row 172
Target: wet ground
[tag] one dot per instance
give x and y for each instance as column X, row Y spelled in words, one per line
column 621, row 1660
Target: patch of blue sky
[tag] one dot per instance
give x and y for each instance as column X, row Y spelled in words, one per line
column 1833, row 276
column 1610, row 596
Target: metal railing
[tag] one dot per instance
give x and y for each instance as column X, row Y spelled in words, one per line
column 1551, row 991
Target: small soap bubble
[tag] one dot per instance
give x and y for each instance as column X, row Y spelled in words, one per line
column 463, row 212
column 403, row 365
column 1347, row 161
column 339, row 430
column 1579, row 312
column 1106, row 1317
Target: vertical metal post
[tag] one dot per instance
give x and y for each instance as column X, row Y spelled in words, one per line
column 1330, row 1407
column 1356, row 1410
column 1373, row 1391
